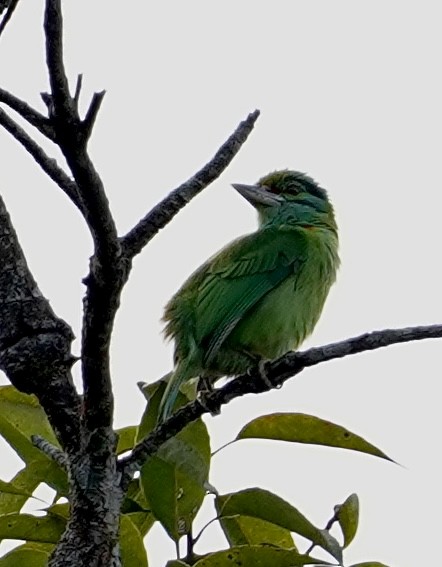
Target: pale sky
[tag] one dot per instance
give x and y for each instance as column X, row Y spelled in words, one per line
column 350, row 93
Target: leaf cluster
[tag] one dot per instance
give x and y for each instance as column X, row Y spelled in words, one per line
column 260, row 527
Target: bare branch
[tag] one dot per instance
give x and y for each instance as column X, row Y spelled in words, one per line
column 107, row 268
column 277, row 371
column 53, row 26
column 92, row 113
column 31, row 115
column 68, row 130
column 49, row 165
column 78, row 87
column 10, row 10
column 161, row 214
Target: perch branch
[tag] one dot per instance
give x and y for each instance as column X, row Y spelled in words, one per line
column 135, row 240
column 277, row 371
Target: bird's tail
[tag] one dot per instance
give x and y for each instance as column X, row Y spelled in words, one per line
column 181, row 374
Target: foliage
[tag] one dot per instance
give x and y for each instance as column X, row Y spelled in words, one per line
column 260, row 527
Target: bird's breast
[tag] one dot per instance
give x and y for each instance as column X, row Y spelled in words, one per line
column 286, row 315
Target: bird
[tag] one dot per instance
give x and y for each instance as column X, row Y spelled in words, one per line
column 261, row 295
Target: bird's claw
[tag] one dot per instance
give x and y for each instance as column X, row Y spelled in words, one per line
column 208, row 405
column 263, row 374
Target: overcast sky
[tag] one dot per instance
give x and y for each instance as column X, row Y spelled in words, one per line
column 350, row 92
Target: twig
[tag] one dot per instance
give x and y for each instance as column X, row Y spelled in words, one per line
column 161, row 214
column 6, row 18
column 53, row 26
column 50, row 450
column 31, row 115
column 91, row 114
column 277, row 372
column 78, row 87
column 327, row 528
column 49, row 165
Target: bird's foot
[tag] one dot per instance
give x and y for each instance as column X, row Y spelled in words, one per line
column 204, row 389
column 205, row 385
column 263, row 374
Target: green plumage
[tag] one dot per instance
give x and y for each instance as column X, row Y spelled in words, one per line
column 261, row 295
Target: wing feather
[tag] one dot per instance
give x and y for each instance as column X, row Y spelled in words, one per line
column 239, row 277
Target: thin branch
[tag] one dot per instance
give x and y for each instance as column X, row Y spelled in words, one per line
column 6, row 18
column 277, row 371
column 92, row 113
column 50, row 450
column 161, row 214
column 78, row 88
column 72, row 142
column 31, row 115
column 327, row 528
column 53, row 26
column 49, row 165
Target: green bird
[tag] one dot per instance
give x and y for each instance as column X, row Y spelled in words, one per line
column 262, row 294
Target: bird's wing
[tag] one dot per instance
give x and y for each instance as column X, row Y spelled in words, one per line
column 242, row 274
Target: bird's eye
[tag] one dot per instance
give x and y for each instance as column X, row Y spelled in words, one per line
column 293, row 189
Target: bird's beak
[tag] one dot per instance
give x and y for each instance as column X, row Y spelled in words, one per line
column 257, row 195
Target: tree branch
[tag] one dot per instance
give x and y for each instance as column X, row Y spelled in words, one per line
column 161, row 214
column 31, row 115
column 10, row 6
column 50, row 451
column 48, row 165
column 92, row 113
column 108, row 272
column 53, row 26
column 34, row 343
column 277, row 371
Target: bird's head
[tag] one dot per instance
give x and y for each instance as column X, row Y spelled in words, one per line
column 289, row 196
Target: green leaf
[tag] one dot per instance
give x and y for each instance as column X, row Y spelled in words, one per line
column 303, row 428
column 257, row 556
column 133, row 553
column 262, row 504
column 20, row 417
column 369, row 564
column 137, row 508
column 126, row 438
column 46, row 529
column 59, row 510
column 137, row 501
column 142, row 520
column 27, row 480
column 25, row 556
column 9, row 488
column 153, row 393
column 347, row 515
column 173, row 480
column 244, row 530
